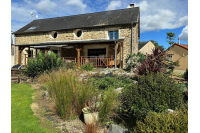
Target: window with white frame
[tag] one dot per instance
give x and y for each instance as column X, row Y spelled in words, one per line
column 114, row 34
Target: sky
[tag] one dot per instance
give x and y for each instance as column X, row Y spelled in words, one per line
column 157, row 17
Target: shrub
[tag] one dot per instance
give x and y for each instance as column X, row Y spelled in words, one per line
column 42, row 63
column 70, row 65
column 164, row 122
column 109, row 82
column 134, row 59
column 185, row 76
column 153, row 63
column 87, row 67
column 152, row 93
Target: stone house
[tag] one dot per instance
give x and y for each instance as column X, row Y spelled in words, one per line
column 146, row 47
column 105, row 38
column 178, row 52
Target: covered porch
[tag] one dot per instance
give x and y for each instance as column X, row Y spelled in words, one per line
column 102, row 52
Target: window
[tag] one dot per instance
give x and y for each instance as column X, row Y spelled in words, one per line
column 54, row 34
column 114, row 35
column 170, row 57
column 78, row 33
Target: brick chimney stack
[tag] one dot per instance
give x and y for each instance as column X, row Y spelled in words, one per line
column 131, row 5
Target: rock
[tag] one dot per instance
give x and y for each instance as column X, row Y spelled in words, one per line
column 116, row 72
column 118, row 90
column 113, row 128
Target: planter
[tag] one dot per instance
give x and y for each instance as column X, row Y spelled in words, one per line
column 90, row 118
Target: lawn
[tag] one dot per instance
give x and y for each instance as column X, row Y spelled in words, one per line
column 22, row 118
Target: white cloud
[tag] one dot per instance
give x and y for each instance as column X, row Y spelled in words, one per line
column 43, row 6
column 157, row 15
column 78, row 4
column 114, row 5
column 184, row 34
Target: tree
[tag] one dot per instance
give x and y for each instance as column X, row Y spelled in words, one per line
column 170, row 38
column 161, row 48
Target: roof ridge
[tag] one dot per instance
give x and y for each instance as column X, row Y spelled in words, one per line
column 84, row 14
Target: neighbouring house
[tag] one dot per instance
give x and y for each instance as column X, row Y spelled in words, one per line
column 146, row 47
column 178, row 52
column 105, row 38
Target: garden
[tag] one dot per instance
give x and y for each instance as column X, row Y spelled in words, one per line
column 143, row 98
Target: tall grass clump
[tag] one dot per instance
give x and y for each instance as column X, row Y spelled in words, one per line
column 68, row 92
column 107, row 105
column 42, row 62
column 58, row 87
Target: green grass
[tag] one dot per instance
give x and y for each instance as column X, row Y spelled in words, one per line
column 22, row 118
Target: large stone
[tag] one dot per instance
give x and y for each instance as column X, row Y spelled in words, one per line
column 118, row 90
column 113, row 128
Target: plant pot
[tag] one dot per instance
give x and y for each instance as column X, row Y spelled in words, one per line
column 90, row 118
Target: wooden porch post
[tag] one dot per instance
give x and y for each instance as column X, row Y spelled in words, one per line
column 46, row 51
column 116, row 55
column 120, row 48
column 78, row 56
column 19, row 56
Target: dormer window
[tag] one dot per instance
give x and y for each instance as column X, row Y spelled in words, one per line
column 32, row 28
column 114, row 35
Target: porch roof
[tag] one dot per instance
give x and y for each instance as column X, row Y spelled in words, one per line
column 58, row 43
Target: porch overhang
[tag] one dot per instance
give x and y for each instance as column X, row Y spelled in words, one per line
column 59, row 43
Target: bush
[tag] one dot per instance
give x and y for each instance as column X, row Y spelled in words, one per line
column 69, row 94
column 134, row 59
column 42, row 63
column 70, row 65
column 153, row 63
column 185, row 76
column 152, row 93
column 109, row 82
column 164, row 122
column 87, row 67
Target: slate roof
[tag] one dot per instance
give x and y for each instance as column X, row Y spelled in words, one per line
column 98, row 19
column 142, row 45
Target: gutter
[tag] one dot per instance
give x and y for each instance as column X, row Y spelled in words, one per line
column 131, row 38
column 15, row 48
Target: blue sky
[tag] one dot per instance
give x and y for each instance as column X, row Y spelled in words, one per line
column 157, row 17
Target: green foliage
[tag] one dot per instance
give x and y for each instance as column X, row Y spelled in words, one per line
column 153, row 92
column 109, row 82
column 70, row 65
column 164, row 122
column 171, row 37
column 135, row 59
column 69, row 94
column 108, row 104
column 42, row 63
column 161, row 48
column 185, row 76
column 87, row 67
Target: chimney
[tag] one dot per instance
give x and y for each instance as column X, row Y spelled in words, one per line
column 179, row 39
column 131, row 5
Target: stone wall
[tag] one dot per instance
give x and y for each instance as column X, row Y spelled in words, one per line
column 87, row 34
